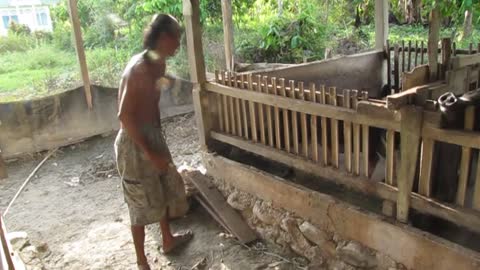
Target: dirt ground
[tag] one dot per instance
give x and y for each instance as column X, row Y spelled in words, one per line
column 73, row 208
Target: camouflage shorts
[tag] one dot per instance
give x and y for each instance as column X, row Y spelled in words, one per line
column 147, row 191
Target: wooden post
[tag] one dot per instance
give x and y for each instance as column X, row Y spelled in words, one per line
column 191, row 13
column 381, row 33
column 433, row 37
column 77, row 31
column 411, row 125
column 381, row 23
column 228, row 32
column 446, row 55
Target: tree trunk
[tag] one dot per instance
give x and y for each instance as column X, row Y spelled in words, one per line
column 467, row 23
column 413, row 11
column 280, row 7
column 433, row 38
column 402, row 4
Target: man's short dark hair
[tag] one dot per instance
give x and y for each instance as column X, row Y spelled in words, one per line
column 161, row 24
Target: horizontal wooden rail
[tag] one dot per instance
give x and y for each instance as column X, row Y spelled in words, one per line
column 378, row 116
column 460, row 61
column 458, row 137
column 464, row 217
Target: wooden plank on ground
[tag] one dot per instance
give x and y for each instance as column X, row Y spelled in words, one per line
column 237, row 226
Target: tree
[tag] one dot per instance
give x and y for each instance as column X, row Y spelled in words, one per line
column 467, row 5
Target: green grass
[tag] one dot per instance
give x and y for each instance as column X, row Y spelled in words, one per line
column 34, row 73
column 35, row 70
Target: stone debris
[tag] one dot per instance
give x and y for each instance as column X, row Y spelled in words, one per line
column 357, row 255
column 30, row 255
column 266, row 213
column 240, row 200
column 323, row 248
column 318, row 237
column 299, row 243
column 18, row 240
column 340, row 265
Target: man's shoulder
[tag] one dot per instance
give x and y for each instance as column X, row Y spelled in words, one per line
column 136, row 67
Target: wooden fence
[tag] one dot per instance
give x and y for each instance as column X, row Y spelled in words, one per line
column 325, row 131
column 405, row 56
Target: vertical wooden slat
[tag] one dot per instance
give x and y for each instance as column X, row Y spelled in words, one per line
column 426, row 161
column 231, row 106
column 470, row 48
column 244, row 108
column 238, row 108
column 269, row 114
column 276, row 113
column 294, row 120
column 403, row 55
column 390, row 158
column 396, row 67
column 409, row 64
column 411, row 125
column 253, row 119
column 261, row 115
column 323, row 100
column 225, row 106
column 313, row 124
column 347, row 133
column 334, row 125
column 465, row 159
column 365, row 143
column 286, row 125
column 356, row 137
column 454, row 49
column 218, row 97
column 389, row 67
column 303, row 122
column 476, row 192
column 416, row 53
column 422, row 57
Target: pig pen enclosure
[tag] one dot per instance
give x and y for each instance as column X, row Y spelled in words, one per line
column 398, row 131
column 362, row 161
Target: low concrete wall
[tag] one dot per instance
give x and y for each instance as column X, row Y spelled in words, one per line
column 62, row 119
column 360, row 71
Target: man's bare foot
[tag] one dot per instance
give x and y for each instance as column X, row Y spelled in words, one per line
column 177, row 241
column 143, row 267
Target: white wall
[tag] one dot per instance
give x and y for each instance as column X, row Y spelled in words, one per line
column 34, row 16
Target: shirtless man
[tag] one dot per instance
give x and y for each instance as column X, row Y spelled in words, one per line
column 143, row 159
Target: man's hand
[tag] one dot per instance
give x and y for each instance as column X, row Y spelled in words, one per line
column 159, row 161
